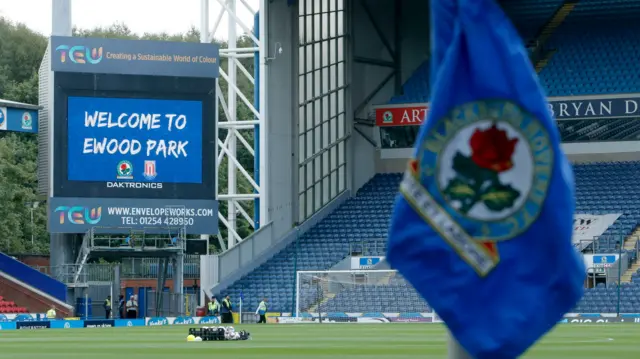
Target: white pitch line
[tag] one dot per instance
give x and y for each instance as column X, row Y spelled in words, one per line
column 596, row 340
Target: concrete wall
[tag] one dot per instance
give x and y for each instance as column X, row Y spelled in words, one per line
column 281, row 106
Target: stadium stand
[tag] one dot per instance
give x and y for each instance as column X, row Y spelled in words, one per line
column 34, row 290
column 530, row 15
column 593, row 49
column 601, row 188
column 596, row 47
column 393, row 297
column 7, row 306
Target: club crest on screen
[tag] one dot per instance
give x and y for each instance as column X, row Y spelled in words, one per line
column 149, row 170
column 481, row 176
column 124, row 170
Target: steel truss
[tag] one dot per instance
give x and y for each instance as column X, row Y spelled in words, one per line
column 236, row 126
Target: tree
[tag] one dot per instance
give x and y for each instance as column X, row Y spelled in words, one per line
column 21, row 52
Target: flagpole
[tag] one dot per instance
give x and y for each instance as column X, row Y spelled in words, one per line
column 454, row 349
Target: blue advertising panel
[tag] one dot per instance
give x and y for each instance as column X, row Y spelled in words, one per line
column 134, row 57
column 67, row 324
column 18, row 120
column 7, row 325
column 134, row 140
column 129, row 322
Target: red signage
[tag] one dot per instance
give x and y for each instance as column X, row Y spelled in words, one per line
column 412, row 115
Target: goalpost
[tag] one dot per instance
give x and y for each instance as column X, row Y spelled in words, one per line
column 358, row 291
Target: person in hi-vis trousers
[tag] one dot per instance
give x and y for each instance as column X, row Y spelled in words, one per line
column 262, row 311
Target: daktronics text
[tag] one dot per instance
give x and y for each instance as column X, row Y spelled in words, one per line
column 137, row 185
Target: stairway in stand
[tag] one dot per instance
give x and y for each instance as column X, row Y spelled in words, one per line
column 549, row 29
column 630, row 244
column 544, row 60
column 556, row 20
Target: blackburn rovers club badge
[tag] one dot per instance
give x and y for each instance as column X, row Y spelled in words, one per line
column 481, row 176
column 387, row 117
column 27, row 121
column 124, row 170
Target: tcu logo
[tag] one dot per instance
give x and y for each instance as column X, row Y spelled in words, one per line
column 80, row 54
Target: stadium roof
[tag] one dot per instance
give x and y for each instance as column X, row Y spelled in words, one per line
column 26, row 106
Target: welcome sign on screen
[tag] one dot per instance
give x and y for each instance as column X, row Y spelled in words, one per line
column 134, row 140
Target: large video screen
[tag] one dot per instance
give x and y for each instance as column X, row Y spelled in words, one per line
column 122, row 136
column 128, row 141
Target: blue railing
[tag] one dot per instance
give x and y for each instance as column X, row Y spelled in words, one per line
column 32, row 277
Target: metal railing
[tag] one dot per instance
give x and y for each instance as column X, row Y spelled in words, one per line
column 368, row 247
column 174, row 238
column 68, row 273
column 131, row 268
column 165, row 304
column 147, row 268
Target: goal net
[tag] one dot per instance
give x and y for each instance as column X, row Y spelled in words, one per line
column 354, row 293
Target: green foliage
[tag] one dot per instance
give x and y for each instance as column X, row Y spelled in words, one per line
column 21, row 52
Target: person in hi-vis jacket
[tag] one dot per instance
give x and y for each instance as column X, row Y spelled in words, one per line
column 262, row 311
column 226, row 311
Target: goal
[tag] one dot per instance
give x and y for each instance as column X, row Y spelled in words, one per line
column 356, row 293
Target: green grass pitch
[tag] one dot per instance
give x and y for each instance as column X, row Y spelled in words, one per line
column 334, row 341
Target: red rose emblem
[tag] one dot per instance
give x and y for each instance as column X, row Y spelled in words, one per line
column 492, row 149
column 123, row 167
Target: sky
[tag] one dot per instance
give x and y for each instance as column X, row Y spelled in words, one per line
column 154, row 16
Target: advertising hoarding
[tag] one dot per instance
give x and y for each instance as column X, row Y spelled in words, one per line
column 134, row 57
column 78, row 215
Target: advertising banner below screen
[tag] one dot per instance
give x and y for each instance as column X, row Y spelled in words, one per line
column 78, row 215
column 124, row 141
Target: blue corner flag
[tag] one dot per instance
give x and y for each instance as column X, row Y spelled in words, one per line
column 241, row 297
column 482, row 226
